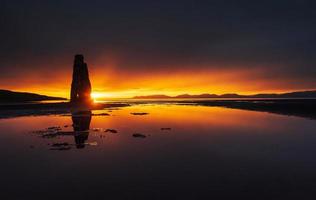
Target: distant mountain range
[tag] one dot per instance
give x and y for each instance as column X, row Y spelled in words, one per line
column 10, row 96
column 299, row 94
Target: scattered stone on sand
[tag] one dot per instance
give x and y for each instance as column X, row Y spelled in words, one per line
column 110, row 130
column 165, row 129
column 139, row 113
column 138, row 135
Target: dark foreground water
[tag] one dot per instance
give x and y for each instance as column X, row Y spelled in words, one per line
column 201, row 153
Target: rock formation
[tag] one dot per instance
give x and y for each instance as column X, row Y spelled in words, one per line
column 80, row 86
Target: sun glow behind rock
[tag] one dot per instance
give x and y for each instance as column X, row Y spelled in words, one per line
column 100, row 95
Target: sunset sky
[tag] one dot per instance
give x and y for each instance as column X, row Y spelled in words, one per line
column 159, row 47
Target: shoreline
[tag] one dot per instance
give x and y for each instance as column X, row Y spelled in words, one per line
column 305, row 108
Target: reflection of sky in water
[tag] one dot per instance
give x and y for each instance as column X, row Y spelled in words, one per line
column 208, row 150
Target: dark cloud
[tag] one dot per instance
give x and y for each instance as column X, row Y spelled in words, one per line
column 276, row 36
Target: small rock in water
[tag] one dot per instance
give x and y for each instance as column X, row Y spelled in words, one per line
column 91, row 143
column 96, row 129
column 111, row 130
column 101, row 114
column 39, row 132
column 64, row 148
column 55, row 128
column 47, row 133
column 139, row 113
column 165, row 129
column 60, row 144
column 138, row 135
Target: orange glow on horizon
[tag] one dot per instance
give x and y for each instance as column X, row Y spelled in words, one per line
column 110, row 83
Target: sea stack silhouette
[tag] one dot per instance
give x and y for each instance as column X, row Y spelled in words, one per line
column 80, row 87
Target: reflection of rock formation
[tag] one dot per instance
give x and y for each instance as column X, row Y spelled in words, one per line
column 80, row 86
column 81, row 125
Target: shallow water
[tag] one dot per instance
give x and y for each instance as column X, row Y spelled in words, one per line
column 208, row 152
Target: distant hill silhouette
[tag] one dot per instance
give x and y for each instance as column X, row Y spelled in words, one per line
column 299, row 94
column 10, row 96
